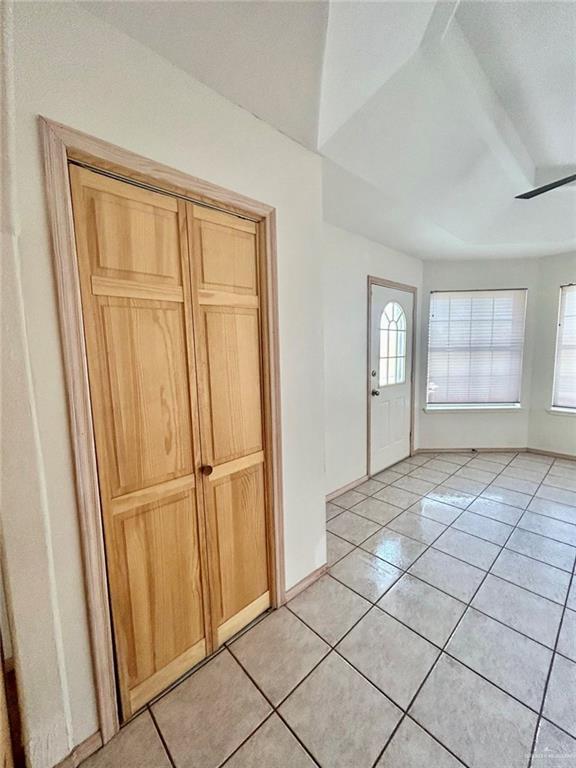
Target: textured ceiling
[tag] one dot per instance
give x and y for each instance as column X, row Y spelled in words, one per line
column 528, row 52
column 430, row 116
column 264, row 56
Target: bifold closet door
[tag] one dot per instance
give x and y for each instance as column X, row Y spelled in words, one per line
column 134, row 275
column 226, row 297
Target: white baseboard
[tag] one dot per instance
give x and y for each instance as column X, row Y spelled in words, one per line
column 347, row 487
column 82, row 751
column 570, row 456
column 470, row 450
column 524, row 449
column 306, row 582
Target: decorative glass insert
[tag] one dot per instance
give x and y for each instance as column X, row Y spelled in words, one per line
column 392, row 345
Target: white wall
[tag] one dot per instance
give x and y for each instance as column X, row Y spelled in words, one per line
column 72, row 67
column 348, row 260
column 481, row 429
column 550, row 431
column 534, row 426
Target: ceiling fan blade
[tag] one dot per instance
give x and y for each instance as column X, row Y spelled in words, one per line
column 546, row 188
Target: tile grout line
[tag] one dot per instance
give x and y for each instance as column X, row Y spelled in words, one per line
column 552, row 657
column 196, row 668
column 268, row 717
column 161, row 737
column 553, row 660
column 275, row 707
column 350, row 629
column 448, row 594
column 439, row 648
column 385, row 525
column 451, row 525
column 549, row 675
column 502, row 547
column 227, row 647
column 411, row 703
column 332, row 648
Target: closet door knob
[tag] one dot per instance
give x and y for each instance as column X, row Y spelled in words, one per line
column 206, row 469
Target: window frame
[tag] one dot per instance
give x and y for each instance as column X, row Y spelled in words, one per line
column 476, row 407
column 555, row 407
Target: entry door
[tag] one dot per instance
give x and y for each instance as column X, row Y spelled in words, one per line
column 134, row 275
column 228, row 330
column 390, row 375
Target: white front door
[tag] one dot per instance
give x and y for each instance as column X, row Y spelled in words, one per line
column 390, row 376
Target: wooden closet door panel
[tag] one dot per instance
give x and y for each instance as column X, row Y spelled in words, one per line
column 232, row 365
column 157, row 588
column 229, row 352
column 143, row 348
column 236, row 503
column 227, row 255
column 164, row 627
column 132, row 254
column 134, row 234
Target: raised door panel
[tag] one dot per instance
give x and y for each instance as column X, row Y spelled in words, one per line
column 232, row 357
column 229, row 351
column 227, row 252
column 137, row 316
column 158, row 565
column 237, row 518
column 147, row 387
column 135, row 233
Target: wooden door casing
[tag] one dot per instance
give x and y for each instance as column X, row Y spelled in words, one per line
column 133, row 266
column 6, row 756
column 63, row 146
column 228, row 335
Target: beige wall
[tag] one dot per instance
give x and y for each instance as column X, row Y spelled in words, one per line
column 481, row 429
column 348, row 260
column 550, row 431
column 71, row 67
column 533, row 426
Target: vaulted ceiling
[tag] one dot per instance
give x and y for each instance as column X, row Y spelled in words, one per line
column 430, row 116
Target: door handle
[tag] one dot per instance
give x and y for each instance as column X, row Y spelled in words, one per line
column 375, row 393
column 206, row 469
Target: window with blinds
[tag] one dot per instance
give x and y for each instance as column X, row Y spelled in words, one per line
column 565, row 368
column 475, row 347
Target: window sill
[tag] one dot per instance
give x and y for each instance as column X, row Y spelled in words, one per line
column 489, row 408
column 557, row 411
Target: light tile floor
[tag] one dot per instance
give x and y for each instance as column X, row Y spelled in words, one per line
column 444, row 634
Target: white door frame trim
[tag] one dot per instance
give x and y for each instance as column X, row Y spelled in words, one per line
column 62, row 144
column 399, row 287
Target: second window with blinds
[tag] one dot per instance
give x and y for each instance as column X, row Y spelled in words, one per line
column 475, row 348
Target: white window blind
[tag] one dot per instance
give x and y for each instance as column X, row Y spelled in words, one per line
column 475, row 347
column 565, row 370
